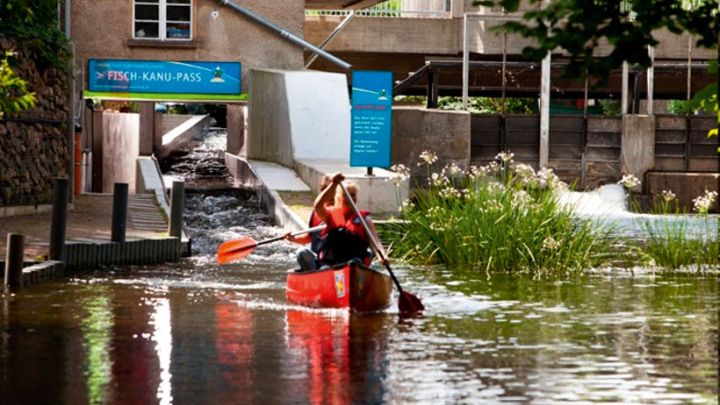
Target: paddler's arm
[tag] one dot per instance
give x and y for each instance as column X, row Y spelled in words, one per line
column 379, row 249
column 327, row 196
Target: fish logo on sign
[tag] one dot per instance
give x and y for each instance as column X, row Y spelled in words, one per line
column 340, row 283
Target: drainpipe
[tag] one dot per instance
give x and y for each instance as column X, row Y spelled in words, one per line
column 285, row 34
column 330, row 37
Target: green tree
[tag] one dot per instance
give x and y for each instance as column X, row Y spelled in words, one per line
column 14, row 94
column 579, row 26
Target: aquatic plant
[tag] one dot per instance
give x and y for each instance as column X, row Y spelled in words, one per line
column 499, row 217
column 672, row 243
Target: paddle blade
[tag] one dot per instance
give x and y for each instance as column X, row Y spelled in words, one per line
column 410, row 304
column 235, row 249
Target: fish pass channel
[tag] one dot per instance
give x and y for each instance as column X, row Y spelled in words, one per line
column 197, row 332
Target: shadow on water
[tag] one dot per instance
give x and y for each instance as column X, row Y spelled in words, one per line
column 197, row 332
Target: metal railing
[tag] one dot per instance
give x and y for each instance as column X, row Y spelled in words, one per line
column 396, row 9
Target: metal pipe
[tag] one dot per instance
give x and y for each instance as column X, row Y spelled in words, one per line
column 330, row 37
column 650, row 81
column 285, row 34
column 465, row 63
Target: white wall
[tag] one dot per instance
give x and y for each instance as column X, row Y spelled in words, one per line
column 297, row 115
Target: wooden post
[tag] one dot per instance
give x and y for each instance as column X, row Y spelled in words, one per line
column 119, row 212
column 177, row 205
column 14, row 260
column 58, row 223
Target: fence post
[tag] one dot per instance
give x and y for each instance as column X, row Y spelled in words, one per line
column 119, row 212
column 14, row 260
column 177, row 205
column 59, row 219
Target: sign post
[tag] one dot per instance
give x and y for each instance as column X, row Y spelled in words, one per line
column 371, row 119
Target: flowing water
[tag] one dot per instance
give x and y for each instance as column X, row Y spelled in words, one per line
column 196, row 332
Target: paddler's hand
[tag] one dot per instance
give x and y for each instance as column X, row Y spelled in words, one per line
column 385, row 261
column 337, row 178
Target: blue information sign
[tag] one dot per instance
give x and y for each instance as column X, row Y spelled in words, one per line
column 371, row 119
column 147, row 76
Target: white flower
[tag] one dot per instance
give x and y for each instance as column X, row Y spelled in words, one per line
column 629, row 181
column 438, row 180
column 401, row 173
column 703, row 203
column 451, row 169
column 520, row 199
column 448, row 192
column 427, row 158
column 667, row 195
column 493, row 167
column 505, row 156
column 550, row 243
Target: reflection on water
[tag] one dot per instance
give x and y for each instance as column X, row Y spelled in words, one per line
column 209, row 334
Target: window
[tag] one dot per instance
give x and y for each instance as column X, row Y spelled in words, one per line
column 162, row 19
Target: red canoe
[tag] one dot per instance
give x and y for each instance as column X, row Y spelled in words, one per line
column 350, row 285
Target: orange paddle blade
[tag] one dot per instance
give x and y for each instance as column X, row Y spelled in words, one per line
column 235, row 249
column 410, row 304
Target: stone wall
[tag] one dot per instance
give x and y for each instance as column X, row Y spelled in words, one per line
column 33, row 144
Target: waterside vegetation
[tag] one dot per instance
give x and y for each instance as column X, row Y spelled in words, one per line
column 505, row 216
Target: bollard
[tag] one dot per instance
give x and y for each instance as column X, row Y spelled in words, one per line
column 14, row 260
column 59, row 219
column 177, row 205
column 119, row 212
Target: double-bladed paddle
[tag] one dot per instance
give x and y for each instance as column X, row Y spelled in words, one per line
column 238, row 248
column 407, row 303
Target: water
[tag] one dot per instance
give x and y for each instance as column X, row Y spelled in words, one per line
column 197, row 332
column 609, row 206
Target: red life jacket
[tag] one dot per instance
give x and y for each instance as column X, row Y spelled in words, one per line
column 345, row 238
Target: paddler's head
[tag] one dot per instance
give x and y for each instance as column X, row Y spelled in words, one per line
column 341, row 199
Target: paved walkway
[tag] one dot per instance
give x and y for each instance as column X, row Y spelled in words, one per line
column 90, row 219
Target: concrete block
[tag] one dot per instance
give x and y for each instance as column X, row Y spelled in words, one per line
column 445, row 133
column 298, row 115
column 686, row 186
column 637, row 151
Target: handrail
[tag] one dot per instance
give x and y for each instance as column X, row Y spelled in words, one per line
column 285, row 34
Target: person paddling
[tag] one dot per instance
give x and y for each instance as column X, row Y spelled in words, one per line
column 345, row 237
column 307, row 257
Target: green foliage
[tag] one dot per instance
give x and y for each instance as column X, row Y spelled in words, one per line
column 14, row 94
column 34, row 23
column 611, row 108
column 490, row 105
column 671, row 245
column 579, row 26
column 498, row 218
column 680, row 107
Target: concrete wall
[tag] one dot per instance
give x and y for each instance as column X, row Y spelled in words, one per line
column 637, row 151
column 103, row 29
column 298, row 115
column 180, row 137
column 237, row 122
column 446, row 133
column 121, row 145
column 443, row 36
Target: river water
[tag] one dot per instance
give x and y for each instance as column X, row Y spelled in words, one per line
column 196, row 332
